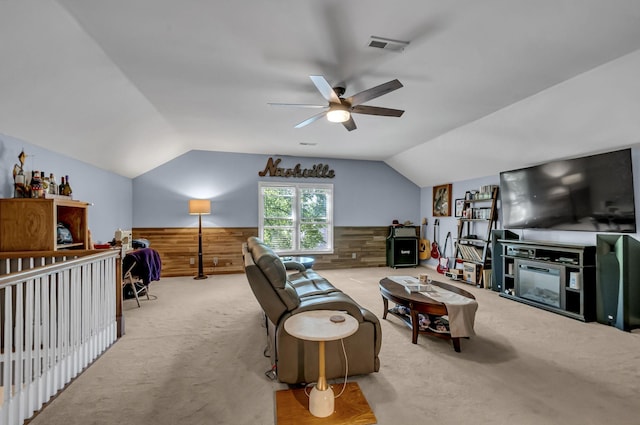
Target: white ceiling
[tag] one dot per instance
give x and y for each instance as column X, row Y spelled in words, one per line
column 127, row 85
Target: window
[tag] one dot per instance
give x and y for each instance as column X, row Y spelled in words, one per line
column 296, row 218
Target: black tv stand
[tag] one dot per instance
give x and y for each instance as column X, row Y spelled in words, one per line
column 557, row 277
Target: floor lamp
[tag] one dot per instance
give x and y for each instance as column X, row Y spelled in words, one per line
column 199, row 207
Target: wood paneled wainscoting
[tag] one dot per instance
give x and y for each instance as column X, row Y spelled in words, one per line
column 367, row 243
column 178, row 246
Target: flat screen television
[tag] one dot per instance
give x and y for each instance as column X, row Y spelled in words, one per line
column 592, row 193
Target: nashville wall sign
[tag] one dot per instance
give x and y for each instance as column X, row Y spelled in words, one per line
column 317, row 171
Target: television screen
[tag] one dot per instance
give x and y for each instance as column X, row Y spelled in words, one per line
column 593, row 193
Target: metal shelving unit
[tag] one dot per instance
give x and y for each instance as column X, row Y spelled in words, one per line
column 479, row 217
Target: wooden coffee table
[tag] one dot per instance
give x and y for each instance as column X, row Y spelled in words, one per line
column 416, row 302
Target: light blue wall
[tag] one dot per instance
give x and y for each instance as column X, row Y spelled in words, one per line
column 366, row 193
column 109, row 193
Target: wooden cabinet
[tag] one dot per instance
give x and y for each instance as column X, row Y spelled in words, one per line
column 480, row 215
column 552, row 276
column 31, row 224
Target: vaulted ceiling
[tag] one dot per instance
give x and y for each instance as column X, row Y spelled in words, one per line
column 488, row 86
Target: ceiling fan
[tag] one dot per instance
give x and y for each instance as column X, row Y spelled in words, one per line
column 340, row 109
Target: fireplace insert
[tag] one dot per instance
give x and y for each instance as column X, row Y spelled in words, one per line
column 540, row 282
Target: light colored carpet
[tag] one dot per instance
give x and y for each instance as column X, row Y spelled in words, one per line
column 194, row 355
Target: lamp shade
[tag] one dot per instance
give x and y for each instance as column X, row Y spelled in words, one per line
column 199, row 206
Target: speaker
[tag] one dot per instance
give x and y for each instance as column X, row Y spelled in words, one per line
column 618, row 281
column 402, row 252
column 497, row 263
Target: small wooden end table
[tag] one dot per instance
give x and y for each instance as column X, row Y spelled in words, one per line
column 316, row 325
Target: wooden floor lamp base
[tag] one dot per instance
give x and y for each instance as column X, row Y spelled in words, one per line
column 292, row 408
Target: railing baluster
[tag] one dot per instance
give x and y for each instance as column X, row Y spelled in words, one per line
column 36, row 352
column 43, row 358
column 7, row 366
column 64, row 327
column 19, row 354
column 53, row 335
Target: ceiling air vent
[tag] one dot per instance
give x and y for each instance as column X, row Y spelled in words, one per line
column 387, row 43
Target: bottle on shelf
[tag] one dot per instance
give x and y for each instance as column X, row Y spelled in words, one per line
column 45, row 183
column 61, row 186
column 67, row 187
column 53, row 186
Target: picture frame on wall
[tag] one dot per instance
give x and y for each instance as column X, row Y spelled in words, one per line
column 459, row 207
column 442, row 200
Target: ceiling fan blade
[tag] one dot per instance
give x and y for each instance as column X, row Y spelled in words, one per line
column 311, row 119
column 374, row 92
column 350, row 124
column 376, row 110
column 325, row 88
column 297, row 105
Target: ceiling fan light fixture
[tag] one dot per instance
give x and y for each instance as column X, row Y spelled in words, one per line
column 338, row 115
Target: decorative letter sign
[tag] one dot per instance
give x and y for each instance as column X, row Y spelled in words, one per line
column 317, row 171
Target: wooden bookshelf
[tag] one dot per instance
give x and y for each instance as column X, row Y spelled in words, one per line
column 30, row 224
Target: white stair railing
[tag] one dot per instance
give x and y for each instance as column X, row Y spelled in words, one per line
column 55, row 320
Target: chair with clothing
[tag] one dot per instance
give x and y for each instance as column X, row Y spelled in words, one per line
column 141, row 267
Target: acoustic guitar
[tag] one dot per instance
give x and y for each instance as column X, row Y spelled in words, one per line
column 435, row 251
column 424, row 242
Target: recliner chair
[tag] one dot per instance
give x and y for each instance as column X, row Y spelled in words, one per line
column 282, row 295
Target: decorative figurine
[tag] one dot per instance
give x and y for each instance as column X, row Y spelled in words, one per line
column 21, row 190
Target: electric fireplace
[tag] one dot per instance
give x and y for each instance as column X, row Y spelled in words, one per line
column 540, row 282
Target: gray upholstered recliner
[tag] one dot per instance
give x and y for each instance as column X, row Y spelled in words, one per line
column 282, row 295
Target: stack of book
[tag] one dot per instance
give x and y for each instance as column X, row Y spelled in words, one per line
column 410, row 283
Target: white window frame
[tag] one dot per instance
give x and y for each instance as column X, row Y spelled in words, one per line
column 297, row 207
